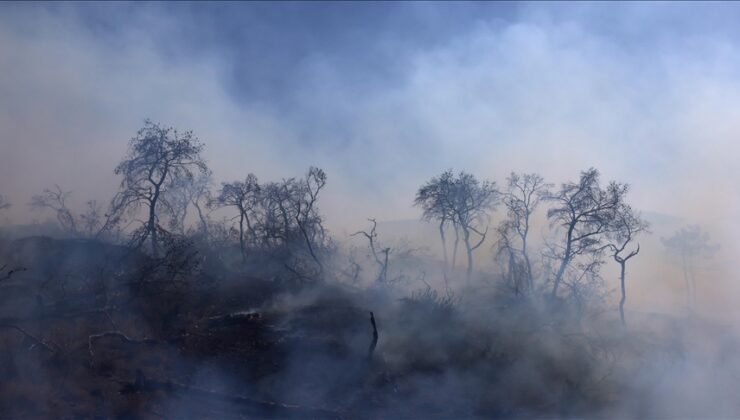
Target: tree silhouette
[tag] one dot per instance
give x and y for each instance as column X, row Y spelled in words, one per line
column 435, row 200
column 372, row 238
column 157, row 158
column 523, row 196
column 586, row 213
column 245, row 196
column 55, row 199
column 627, row 226
column 465, row 202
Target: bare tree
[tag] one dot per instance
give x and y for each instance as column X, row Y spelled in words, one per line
column 200, row 198
column 276, row 222
column 435, row 200
column 55, row 200
column 245, row 196
column 372, row 238
column 177, row 204
column 586, row 213
column 463, row 201
column 690, row 243
column 521, row 199
column 158, row 156
column 584, row 282
column 91, row 223
column 471, row 201
column 628, row 225
column 307, row 217
column 513, row 267
column 288, row 218
column 432, row 198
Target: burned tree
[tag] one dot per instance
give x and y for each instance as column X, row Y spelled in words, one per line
column 288, row 222
column 627, row 226
column 513, row 267
column 374, row 343
column 586, row 213
column 521, row 199
column 463, row 201
column 690, row 243
column 199, row 193
column 55, row 200
column 245, row 196
column 372, row 238
column 93, row 222
column 471, row 201
column 158, row 157
column 435, row 199
column 309, row 221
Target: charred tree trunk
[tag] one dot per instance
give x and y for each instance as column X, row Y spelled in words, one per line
column 444, row 248
column 530, row 277
column 151, row 225
column 622, row 270
column 454, row 249
column 374, row 343
column 469, row 252
column 241, row 235
column 565, row 261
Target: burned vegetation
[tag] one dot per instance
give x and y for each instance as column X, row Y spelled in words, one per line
column 154, row 307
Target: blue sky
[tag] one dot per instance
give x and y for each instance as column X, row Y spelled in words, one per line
column 382, row 95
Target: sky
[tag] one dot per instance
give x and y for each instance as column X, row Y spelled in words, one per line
column 383, row 96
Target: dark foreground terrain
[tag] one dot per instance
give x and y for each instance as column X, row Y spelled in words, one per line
column 96, row 330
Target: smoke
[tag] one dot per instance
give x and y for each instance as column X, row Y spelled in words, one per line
column 659, row 118
column 646, row 100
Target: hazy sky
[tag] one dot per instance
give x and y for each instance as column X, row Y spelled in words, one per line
column 382, row 95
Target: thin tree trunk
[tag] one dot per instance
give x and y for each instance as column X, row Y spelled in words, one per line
column 565, row 261
column 469, row 270
column 512, row 271
column 530, row 279
column 151, row 225
column 444, row 245
column 624, row 294
column 201, row 217
column 241, row 236
column 302, row 228
column 559, row 276
column 454, row 249
column 152, row 212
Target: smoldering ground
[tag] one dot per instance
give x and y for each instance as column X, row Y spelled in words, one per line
column 245, row 347
column 209, row 325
